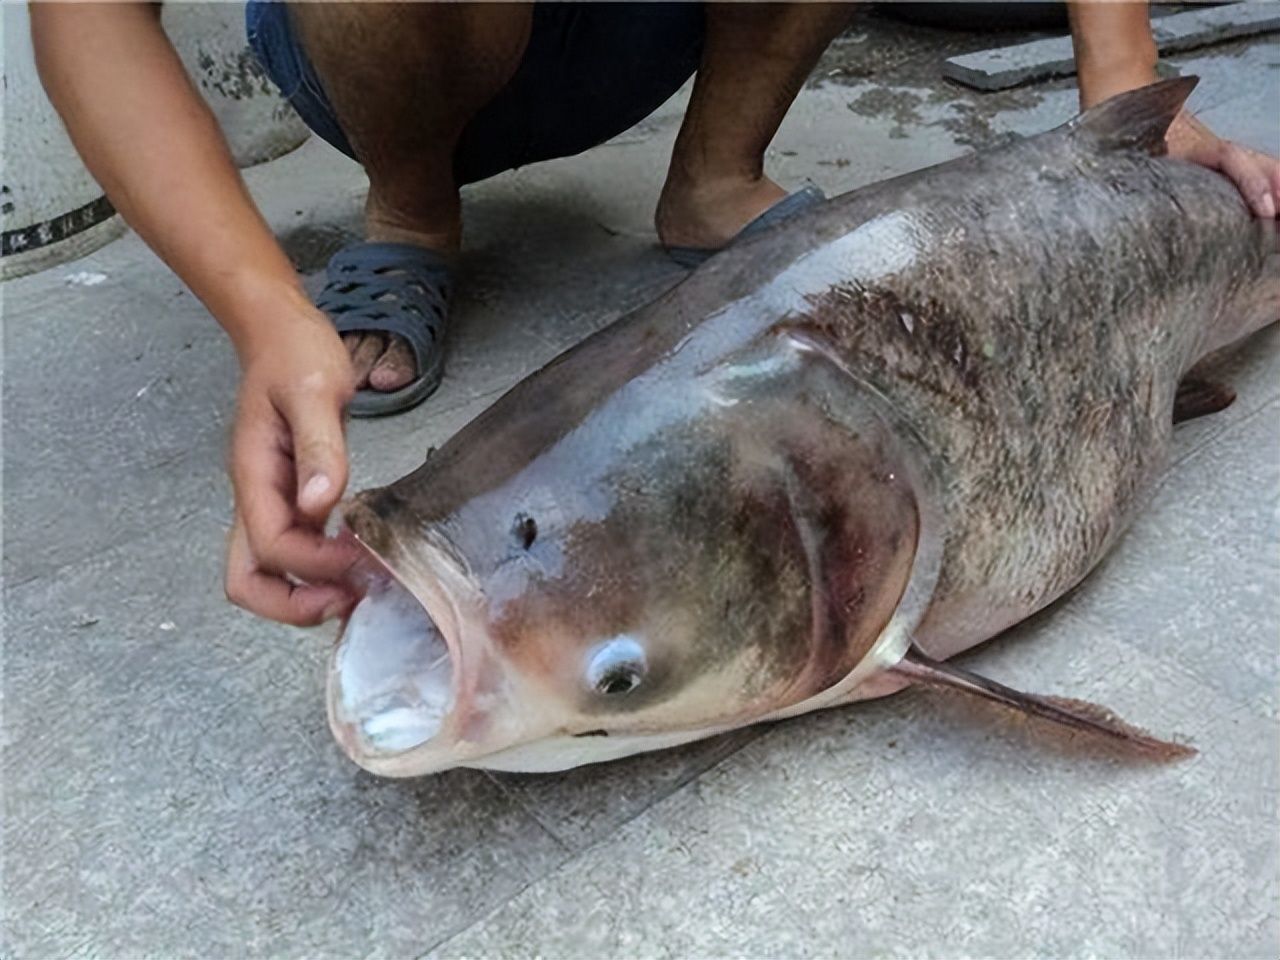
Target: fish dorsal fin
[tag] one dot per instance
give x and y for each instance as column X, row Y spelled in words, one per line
column 1076, row 714
column 1138, row 119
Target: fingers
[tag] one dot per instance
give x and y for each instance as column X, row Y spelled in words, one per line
column 313, row 418
column 395, row 368
column 289, row 468
column 274, row 597
column 306, row 554
column 263, row 476
column 1255, row 175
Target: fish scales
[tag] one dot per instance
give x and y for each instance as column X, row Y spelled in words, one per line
column 1038, row 375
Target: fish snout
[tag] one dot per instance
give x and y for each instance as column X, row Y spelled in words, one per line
column 414, row 684
column 391, row 684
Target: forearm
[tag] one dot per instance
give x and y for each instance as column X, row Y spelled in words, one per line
column 153, row 145
column 1114, row 49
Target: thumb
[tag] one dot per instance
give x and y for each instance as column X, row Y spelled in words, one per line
column 319, row 450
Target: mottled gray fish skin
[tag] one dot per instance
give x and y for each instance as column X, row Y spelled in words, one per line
column 918, row 414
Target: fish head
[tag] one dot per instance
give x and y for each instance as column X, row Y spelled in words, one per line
column 629, row 582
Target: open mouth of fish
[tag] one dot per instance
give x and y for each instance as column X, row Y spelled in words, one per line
column 394, row 679
column 415, row 686
column 391, row 679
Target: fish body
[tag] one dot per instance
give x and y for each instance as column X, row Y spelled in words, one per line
column 901, row 422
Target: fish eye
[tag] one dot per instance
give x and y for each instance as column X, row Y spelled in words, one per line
column 619, row 681
column 525, row 530
column 617, row 667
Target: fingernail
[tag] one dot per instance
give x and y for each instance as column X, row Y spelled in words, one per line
column 337, row 608
column 315, row 489
column 1267, row 207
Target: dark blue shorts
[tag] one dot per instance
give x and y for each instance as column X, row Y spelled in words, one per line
column 590, row 71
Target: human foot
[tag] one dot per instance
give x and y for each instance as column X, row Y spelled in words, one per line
column 382, row 361
column 774, row 213
column 391, row 299
column 707, row 213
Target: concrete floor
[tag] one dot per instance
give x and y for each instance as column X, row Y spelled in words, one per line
column 171, row 790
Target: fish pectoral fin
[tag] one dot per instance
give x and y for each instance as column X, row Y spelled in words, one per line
column 1198, row 397
column 1076, row 714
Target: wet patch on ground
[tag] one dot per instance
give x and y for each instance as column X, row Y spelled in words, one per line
column 893, row 102
column 894, row 70
column 881, row 48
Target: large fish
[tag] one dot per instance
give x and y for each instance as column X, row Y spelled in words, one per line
column 834, row 456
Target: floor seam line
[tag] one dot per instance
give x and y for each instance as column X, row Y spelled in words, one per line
column 577, row 854
column 1214, row 438
column 454, row 934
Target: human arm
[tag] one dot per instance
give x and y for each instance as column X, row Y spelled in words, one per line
column 156, row 149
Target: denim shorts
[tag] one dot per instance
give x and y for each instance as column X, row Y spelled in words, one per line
column 590, row 71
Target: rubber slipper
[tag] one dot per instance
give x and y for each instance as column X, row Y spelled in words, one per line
column 394, row 289
column 793, row 203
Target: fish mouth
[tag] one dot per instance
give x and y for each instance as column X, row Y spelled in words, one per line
column 391, row 677
column 396, row 674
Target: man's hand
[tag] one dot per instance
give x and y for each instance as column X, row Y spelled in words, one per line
column 289, row 467
column 1256, row 175
column 1115, row 53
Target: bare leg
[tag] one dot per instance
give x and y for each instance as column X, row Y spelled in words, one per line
column 404, row 80
column 756, row 59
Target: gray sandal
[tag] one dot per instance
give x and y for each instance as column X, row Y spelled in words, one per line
column 394, row 289
column 793, row 203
